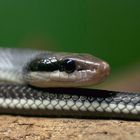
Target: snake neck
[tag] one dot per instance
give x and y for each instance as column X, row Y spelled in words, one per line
column 12, row 62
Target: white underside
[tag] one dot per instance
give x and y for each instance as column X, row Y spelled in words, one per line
column 11, row 77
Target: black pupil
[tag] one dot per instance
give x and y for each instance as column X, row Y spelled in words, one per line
column 69, row 65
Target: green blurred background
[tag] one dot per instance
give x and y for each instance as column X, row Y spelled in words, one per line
column 107, row 29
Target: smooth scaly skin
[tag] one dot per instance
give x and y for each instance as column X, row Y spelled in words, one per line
column 89, row 103
column 63, row 102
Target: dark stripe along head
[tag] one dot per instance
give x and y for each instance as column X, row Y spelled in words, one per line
column 51, row 64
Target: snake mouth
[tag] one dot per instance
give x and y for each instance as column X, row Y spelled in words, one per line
column 67, row 71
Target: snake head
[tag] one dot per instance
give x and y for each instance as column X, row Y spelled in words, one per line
column 65, row 70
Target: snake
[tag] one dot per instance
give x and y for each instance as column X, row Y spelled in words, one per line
column 53, row 84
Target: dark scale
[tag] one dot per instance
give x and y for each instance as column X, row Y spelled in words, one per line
column 47, row 64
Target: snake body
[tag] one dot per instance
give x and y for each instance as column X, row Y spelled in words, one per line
column 19, row 94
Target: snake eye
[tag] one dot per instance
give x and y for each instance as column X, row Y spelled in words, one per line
column 69, row 65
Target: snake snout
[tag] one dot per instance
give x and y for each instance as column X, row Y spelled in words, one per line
column 103, row 70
